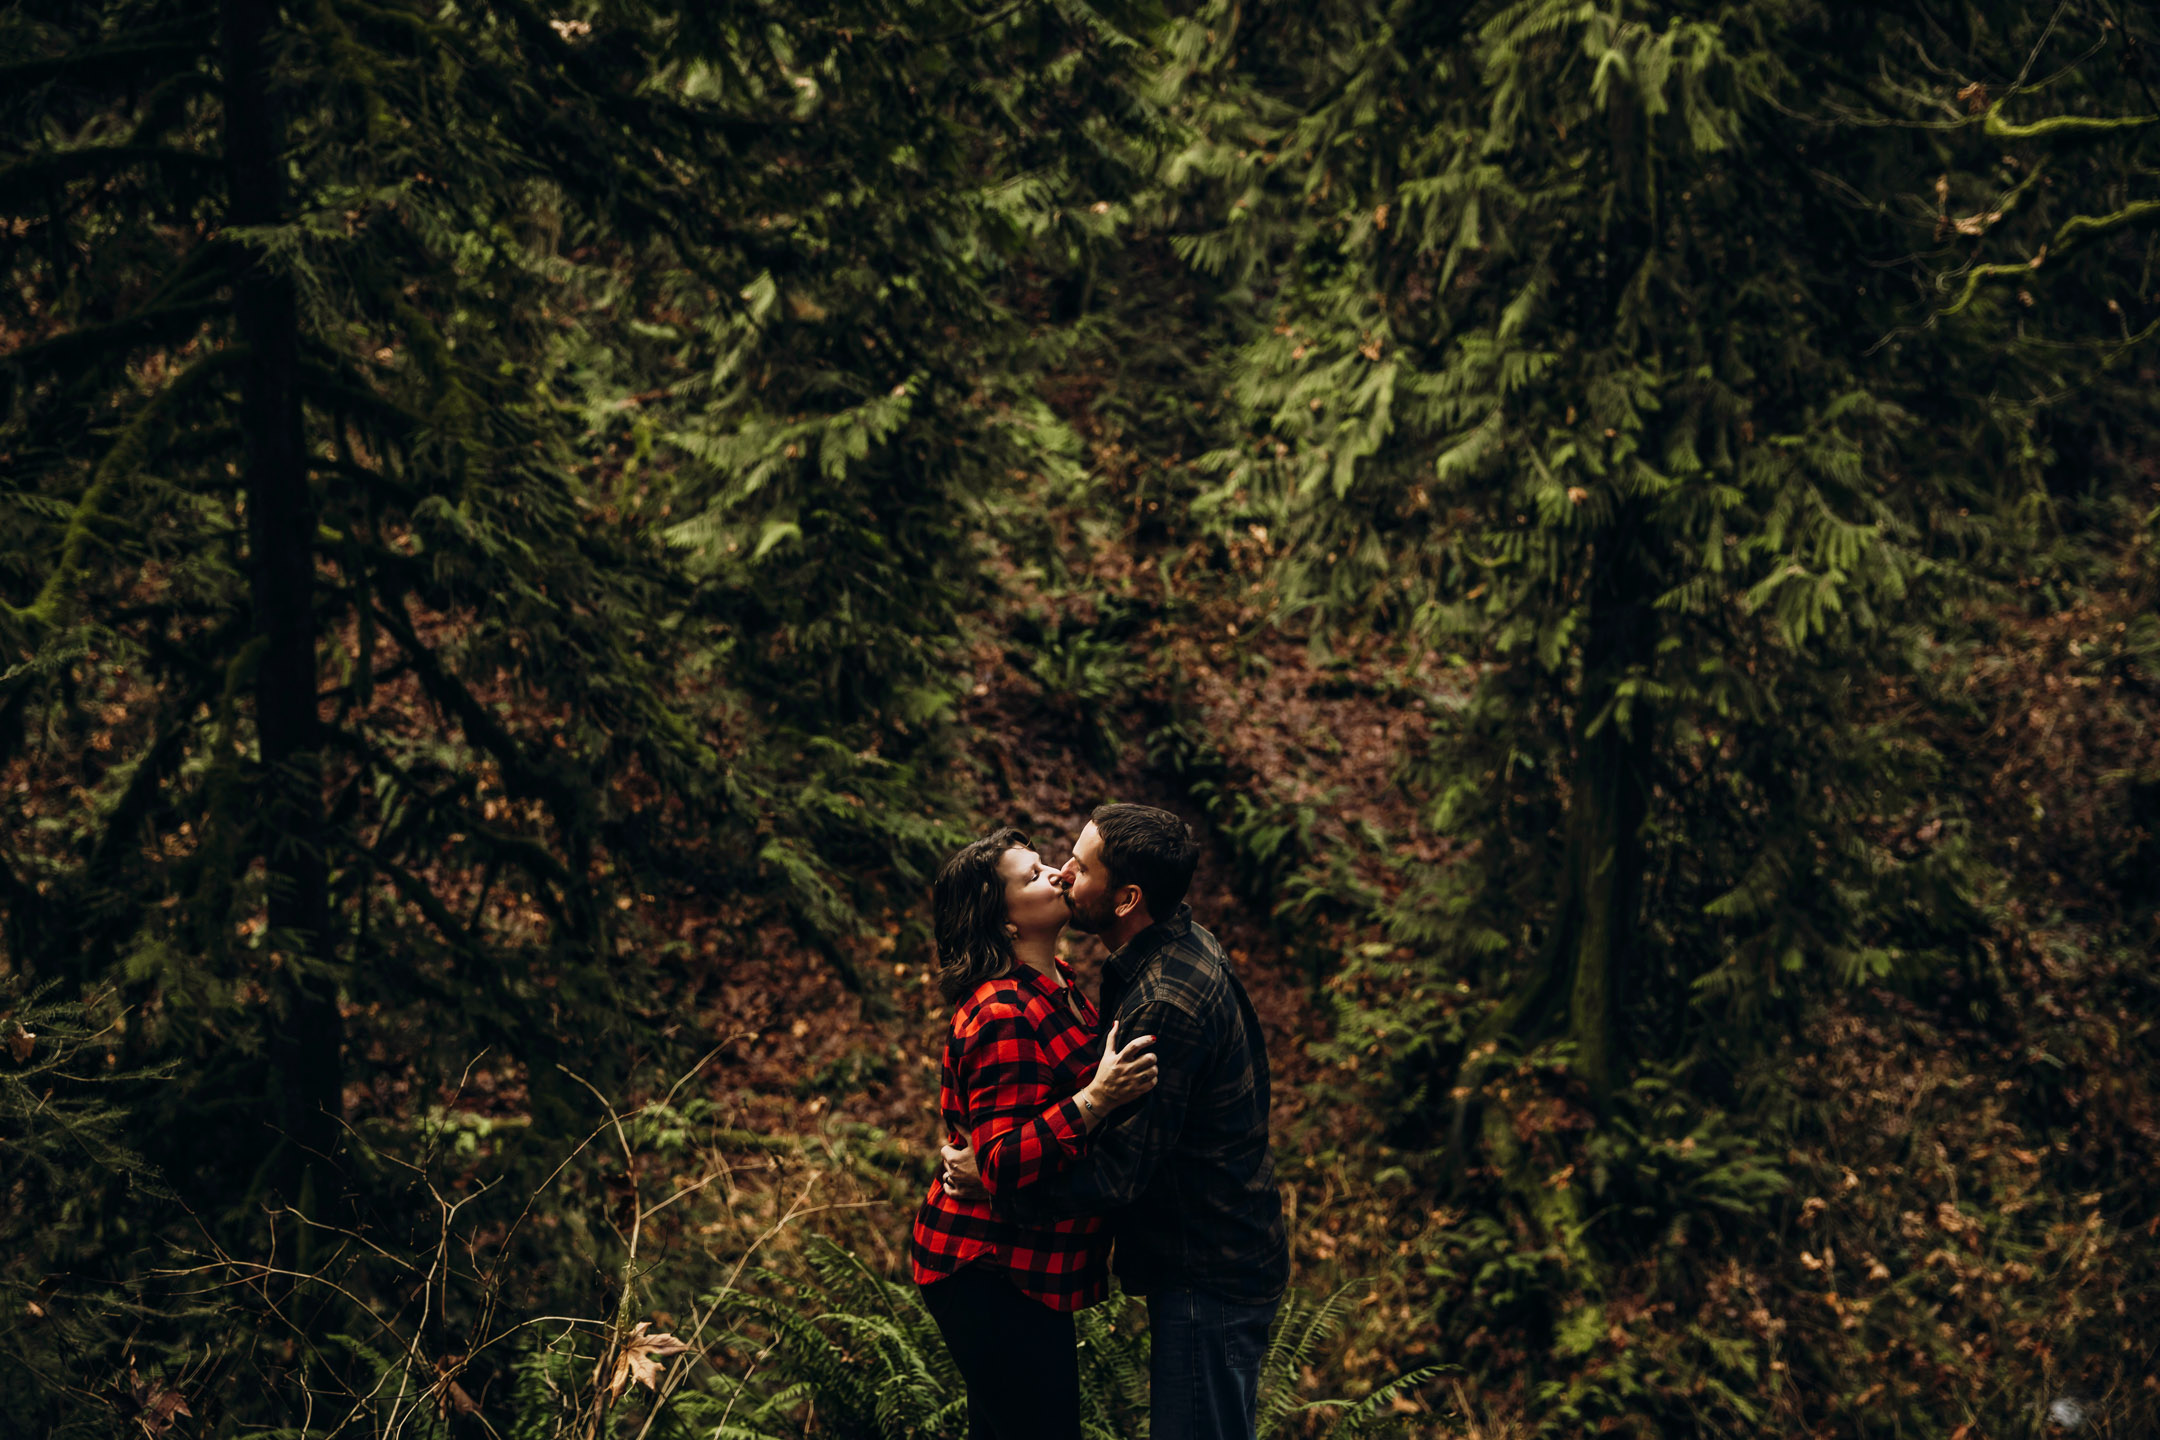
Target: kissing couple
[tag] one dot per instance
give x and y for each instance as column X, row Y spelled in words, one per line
column 1063, row 1142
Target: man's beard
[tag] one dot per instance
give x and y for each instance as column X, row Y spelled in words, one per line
column 1091, row 919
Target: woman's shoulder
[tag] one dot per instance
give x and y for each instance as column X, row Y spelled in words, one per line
column 998, row 998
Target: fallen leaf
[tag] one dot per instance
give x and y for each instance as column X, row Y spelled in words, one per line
column 153, row 1403
column 639, row 1359
column 452, row 1396
column 449, row 1395
column 20, row 1041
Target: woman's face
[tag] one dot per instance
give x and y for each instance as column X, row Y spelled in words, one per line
column 1034, row 895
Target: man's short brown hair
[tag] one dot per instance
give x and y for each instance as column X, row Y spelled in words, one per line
column 1150, row 848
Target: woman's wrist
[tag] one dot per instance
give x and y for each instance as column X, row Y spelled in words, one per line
column 1091, row 1107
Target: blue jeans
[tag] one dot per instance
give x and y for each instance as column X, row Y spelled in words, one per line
column 1204, row 1365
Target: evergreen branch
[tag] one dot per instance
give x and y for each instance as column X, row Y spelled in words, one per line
column 524, row 776
column 336, row 384
column 423, row 898
column 106, row 62
column 151, row 770
column 528, row 854
column 340, row 387
column 156, row 325
column 183, row 39
column 389, row 486
column 122, row 460
column 26, row 187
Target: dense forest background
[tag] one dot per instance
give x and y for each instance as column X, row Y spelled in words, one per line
column 526, row 533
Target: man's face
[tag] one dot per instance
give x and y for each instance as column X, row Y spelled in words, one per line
column 1087, row 885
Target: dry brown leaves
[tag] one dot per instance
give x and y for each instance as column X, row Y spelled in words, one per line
column 638, row 1358
column 152, row 1404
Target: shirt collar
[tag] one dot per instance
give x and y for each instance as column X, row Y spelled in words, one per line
column 1029, row 975
column 1138, row 950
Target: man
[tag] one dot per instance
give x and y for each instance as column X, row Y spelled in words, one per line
column 1185, row 1174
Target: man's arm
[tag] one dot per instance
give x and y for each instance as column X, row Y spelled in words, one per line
column 1122, row 1157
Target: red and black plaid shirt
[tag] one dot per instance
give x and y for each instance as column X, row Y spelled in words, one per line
column 1018, row 1051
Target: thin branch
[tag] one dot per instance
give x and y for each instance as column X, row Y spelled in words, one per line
column 2060, row 126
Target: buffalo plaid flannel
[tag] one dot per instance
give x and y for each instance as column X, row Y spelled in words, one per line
column 1184, row 1173
column 1018, row 1051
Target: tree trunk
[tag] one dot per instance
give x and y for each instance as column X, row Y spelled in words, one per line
column 1580, row 981
column 1609, row 799
column 306, row 1070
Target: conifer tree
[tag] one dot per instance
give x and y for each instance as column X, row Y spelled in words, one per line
column 364, row 361
column 1566, row 373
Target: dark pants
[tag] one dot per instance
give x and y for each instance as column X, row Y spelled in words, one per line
column 1016, row 1355
column 1204, row 1365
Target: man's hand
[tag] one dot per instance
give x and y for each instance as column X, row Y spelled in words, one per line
column 961, row 1180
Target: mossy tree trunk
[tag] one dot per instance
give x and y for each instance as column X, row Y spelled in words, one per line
column 1579, row 981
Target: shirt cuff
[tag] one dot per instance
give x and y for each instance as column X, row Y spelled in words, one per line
column 1067, row 1126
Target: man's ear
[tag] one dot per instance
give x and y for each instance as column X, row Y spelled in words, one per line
column 1128, row 902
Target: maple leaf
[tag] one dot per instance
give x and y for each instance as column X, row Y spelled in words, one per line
column 449, row 1395
column 153, row 1403
column 639, row 1359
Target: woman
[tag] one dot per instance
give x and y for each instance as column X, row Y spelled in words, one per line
column 1023, row 1085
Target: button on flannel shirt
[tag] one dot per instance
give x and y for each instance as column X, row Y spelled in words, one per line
column 1016, row 1055
column 1184, row 1173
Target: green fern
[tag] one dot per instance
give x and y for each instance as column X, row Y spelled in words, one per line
column 1302, row 1331
column 860, row 1354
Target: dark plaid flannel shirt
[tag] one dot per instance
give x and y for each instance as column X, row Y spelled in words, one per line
column 1016, row 1055
column 1185, row 1173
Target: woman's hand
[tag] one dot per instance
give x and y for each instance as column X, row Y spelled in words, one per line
column 1123, row 1076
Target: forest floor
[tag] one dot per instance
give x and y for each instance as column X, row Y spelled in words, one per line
column 1322, row 735
column 1968, row 1198
column 1972, row 1203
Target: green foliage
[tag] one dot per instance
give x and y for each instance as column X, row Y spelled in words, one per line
column 483, row 488
column 1561, row 365
column 1302, row 1329
column 1534, row 401
column 621, row 522
column 862, row 1354
column 1087, row 673
column 72, row 1190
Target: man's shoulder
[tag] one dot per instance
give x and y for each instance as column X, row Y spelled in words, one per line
column 1188, row 972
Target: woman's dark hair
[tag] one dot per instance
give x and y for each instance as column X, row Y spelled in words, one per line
column 967, row 908
column 1150, row 848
